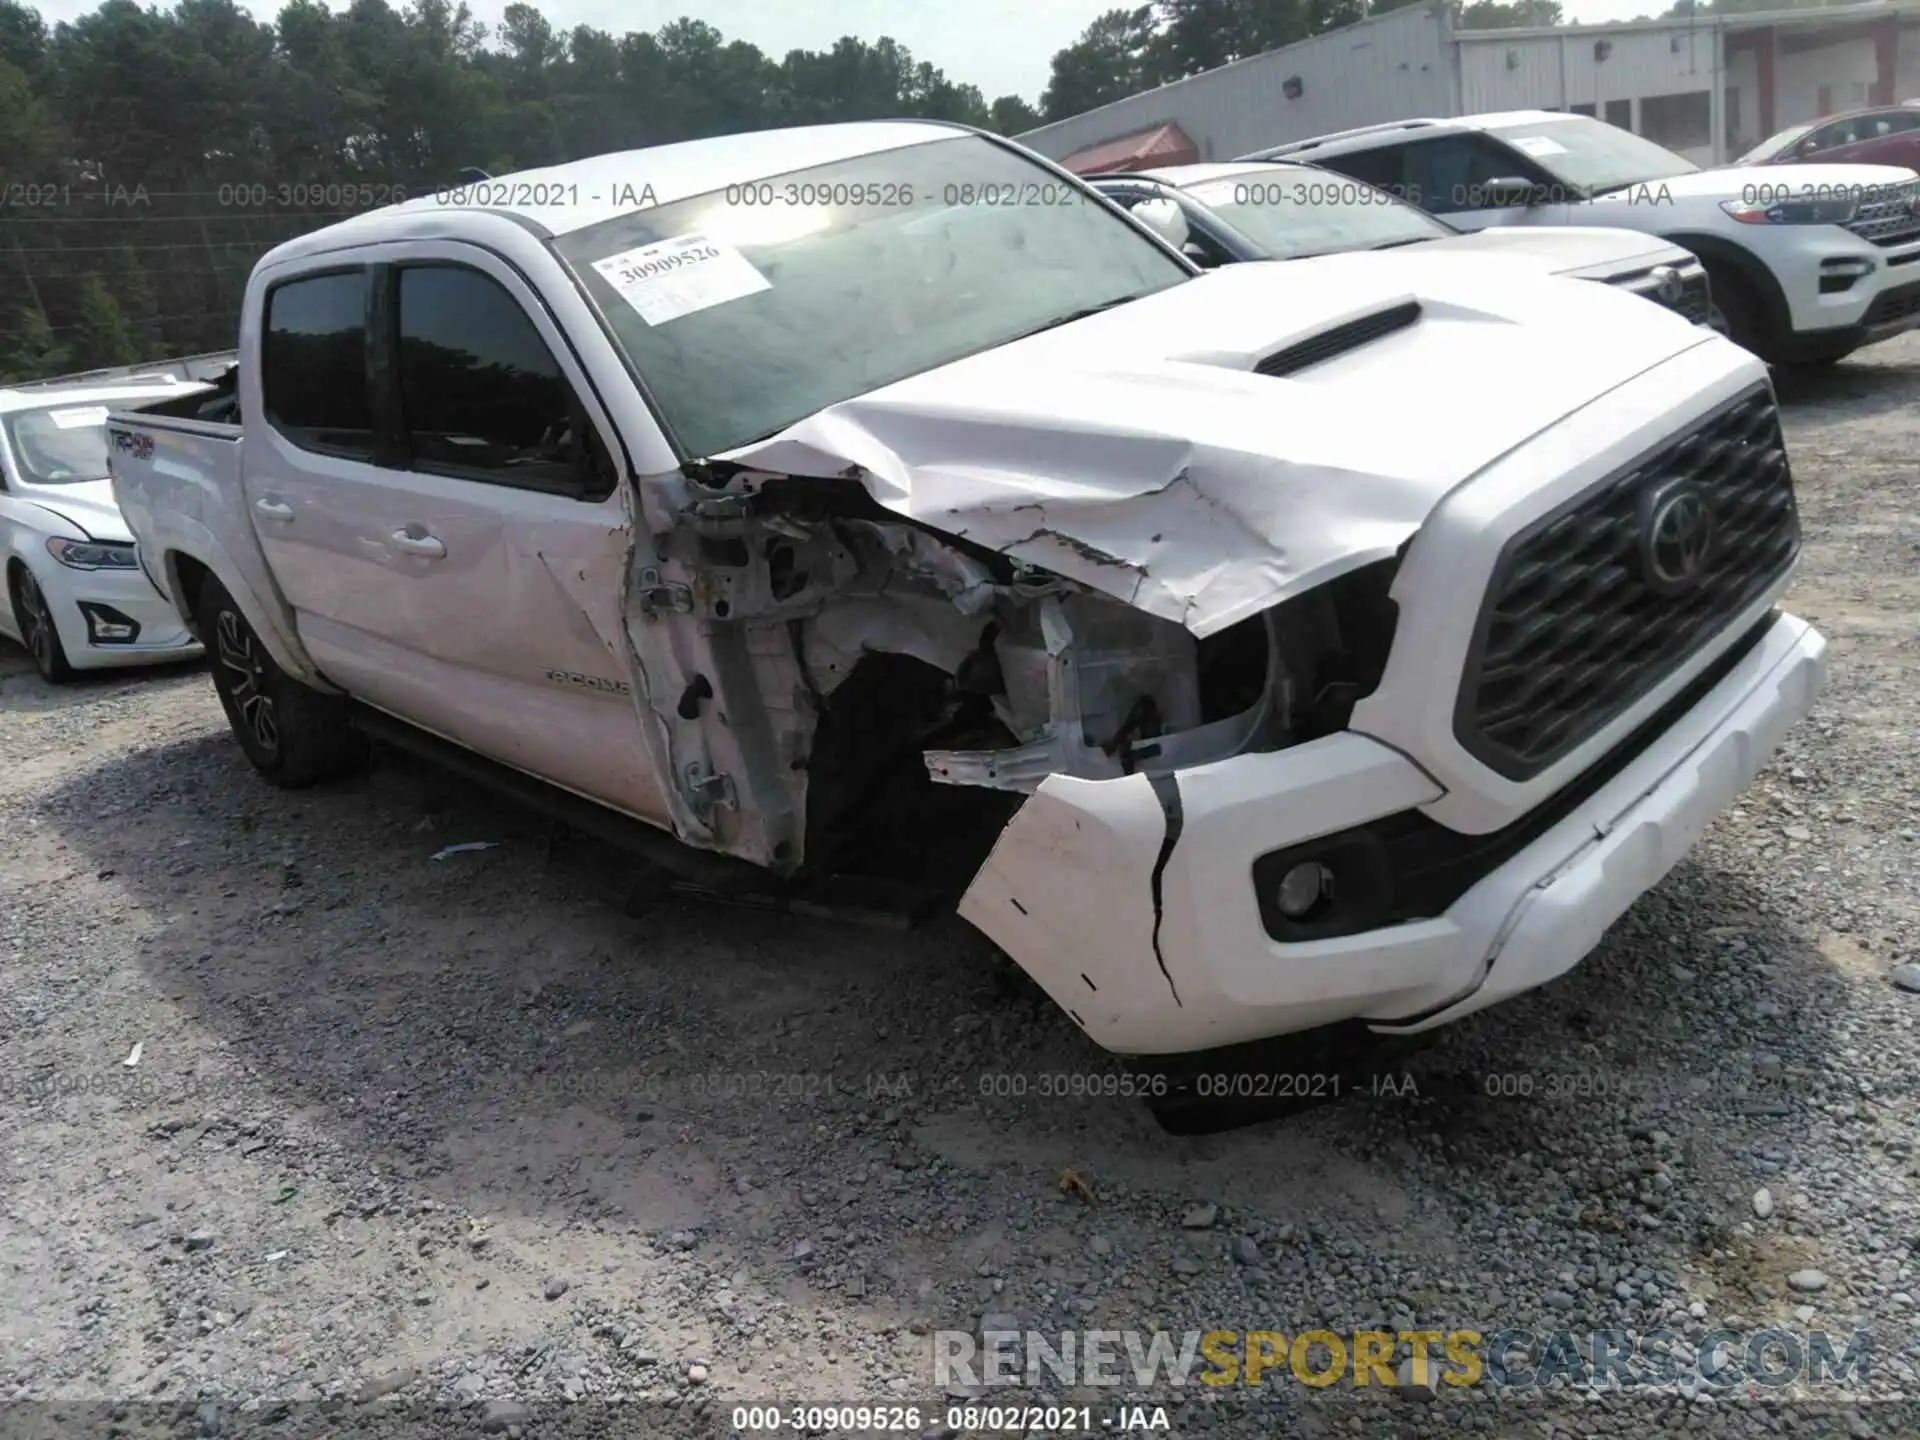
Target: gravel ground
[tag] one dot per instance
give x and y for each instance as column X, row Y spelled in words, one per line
column 412, row 1143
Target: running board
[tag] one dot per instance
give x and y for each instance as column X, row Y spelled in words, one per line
column 589, row 817
column 678, row 870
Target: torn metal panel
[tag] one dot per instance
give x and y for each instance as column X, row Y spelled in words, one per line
column 1137, row 453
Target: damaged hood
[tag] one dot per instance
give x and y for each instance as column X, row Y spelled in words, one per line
column 1138, row 452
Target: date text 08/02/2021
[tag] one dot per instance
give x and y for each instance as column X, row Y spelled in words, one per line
column 966, row 1419
column 635, row 195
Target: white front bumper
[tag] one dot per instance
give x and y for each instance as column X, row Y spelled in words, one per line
column 162, row 637
column 1800, row 255
column 1131, row 901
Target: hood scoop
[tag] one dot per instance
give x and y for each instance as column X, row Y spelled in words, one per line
column 1339, row 339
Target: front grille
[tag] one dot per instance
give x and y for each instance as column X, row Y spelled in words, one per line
column 1888, row 217
column 1585, row 614
column 1889, row 306
column 1695, row 300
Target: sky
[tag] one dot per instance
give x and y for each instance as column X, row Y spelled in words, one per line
column 1003, row 46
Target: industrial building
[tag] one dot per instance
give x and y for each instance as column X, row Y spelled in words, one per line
column 1709, row 87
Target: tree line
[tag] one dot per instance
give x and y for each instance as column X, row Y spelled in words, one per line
column 149, row 157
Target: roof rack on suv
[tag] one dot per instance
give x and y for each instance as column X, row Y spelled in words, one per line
column 192, row 369
column 1293, row 147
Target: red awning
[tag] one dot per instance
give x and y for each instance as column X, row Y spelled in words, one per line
column 1162, row 145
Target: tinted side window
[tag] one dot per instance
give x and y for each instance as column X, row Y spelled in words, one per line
column 313, row 363
column 1382, row 169
column 480, row 393
column 1450, row 172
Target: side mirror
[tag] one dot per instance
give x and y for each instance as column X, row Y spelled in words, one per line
column 1166, row 219
column 1508, row 190
column 1198, row 254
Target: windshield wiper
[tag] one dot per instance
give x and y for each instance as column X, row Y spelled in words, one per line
column 1410, row 240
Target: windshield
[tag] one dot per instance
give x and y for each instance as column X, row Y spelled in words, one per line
column 1767, row 149
column 64, row 445
column 1592, row 154
column 747, row 309
column 1290, row 212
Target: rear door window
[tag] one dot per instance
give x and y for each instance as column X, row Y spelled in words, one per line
column 313, row 363
column 1384, row 169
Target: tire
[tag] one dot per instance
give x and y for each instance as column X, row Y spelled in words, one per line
column 292, row 734
column 33, row 619
column 1738, row 311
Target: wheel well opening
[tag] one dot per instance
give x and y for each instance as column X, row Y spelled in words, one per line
column 872, row 809
column 189, row 580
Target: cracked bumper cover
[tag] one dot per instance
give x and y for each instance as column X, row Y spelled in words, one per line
column 1131, row 901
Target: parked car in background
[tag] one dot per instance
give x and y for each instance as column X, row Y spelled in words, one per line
column 1278, row 649
column 1272, row 210
column 1886, row 135
column 1807, row 265
column 75, row 596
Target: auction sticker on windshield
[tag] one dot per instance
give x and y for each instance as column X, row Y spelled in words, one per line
column 1538, row 145
column 680, row 275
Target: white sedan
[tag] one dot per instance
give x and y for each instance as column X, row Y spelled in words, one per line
column 76, row 597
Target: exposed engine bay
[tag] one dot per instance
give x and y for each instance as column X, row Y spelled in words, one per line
column 915, row 686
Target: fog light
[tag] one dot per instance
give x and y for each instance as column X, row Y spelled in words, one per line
column 1304, row 889
column 108, row 626
column 1295, row 888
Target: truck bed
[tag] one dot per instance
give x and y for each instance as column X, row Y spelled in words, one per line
column 218, row 403
column 175, row 467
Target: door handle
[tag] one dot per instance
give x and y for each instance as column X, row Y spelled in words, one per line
column 422, row 544
column 273, row 509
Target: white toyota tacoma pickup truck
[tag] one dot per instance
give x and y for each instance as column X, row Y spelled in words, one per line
column 1338, row 646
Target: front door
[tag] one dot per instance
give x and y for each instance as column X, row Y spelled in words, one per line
column 1449, row 175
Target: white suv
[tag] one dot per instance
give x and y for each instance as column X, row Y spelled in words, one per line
column 1807, row 265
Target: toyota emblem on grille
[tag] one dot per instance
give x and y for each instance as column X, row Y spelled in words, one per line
column 1667, row 284
column 1676, row 538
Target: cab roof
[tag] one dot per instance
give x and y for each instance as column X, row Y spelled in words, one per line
column 1364, row 136
column 1181, row 176
column 559, row 199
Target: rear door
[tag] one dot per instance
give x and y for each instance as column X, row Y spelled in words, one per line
column 454, row 570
